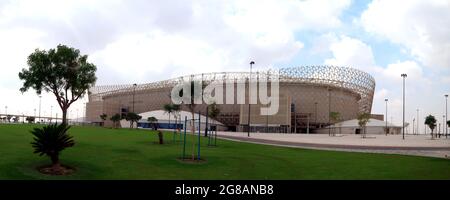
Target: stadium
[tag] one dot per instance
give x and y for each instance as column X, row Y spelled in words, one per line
column 307, row 95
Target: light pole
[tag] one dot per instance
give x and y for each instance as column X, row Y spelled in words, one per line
column 6, row 110
column 249, row 103
column 40, row 97
column 417, row 129
column 386, row 128
column 315, row 113
column 329, row 112
column 403, row 131
column 445, row 123
column 414, row 121
column 267, row 121
column 134, row 93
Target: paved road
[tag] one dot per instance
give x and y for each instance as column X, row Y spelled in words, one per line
column 441, row 152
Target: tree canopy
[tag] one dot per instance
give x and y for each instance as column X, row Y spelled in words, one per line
column 363, row 119
column 153, row 121
column 115, row 118
column 335, row 116
column 430, row 121
column 132, row 117
column 62, row 71
column 213, row 111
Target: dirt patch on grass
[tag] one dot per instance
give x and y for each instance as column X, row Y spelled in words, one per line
column 189, row 160
column 64, row 170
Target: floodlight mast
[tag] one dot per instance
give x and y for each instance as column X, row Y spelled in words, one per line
column 386, row 128
column 249, row 103
column 446, row 116
column 404, row 77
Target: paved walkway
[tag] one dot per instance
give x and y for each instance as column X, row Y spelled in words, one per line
column 420, row 145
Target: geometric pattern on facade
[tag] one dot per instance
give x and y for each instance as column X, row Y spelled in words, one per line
column 345, row 78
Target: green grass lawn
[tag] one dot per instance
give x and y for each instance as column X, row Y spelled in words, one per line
column 101, row 153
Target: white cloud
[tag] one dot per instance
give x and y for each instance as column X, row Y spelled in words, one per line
column 411, row 68
column 420, row 26
column 143, row 41
column 351, row 52
column 420, row 90
column 152, row 36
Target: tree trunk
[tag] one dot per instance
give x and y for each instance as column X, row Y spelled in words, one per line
column 64, row 115
column 160, row 137
column 193, row 134
column 56, row 166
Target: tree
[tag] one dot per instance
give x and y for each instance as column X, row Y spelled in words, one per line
column 115, row 118
column 363, row 119
column 30, row 119
column 153, row 122
column 103, row 117
column 160, row 137
column 176, row 111
column 132, row 118
column 51, row 140
column 169, row 108
column 16, row 119
column 194, row 95
column 335, row 117
column 62, row 71
column 430, row 121
column 213, row 113
column 8, row 117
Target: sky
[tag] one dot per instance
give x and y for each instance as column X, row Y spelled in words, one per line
column 141, row 41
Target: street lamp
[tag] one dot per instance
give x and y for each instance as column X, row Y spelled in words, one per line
column 404, row 77
column 386, row 128
column 315, row 113
column 445, row 123
column 134, row 92
column 417, row 129
column 329, row 112
column 248, row 117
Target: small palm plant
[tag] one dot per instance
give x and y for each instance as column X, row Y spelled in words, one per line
column 213, row 112
column 335, row 117
column 363, row 119
column 51, row 140
column 430, row 120
column 115, row 119
column 448, row 123
column 169, row 109
column 153, row 122
column 103, row 117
